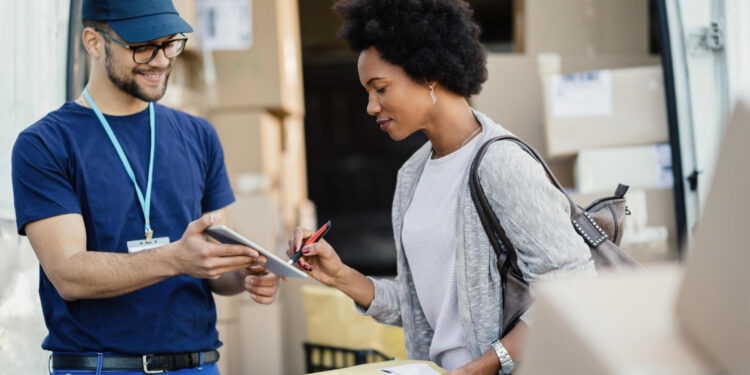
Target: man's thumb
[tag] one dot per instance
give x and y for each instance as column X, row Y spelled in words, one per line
column 206, row 221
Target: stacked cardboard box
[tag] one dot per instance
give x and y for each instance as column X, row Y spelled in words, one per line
column 512, row 96
column 268, row 75
column 252, row 94
column 252, row 142
column 604, row 108
column 584, row 27
column 585, row 83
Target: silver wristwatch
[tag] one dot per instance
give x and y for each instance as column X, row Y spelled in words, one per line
column 506, row 363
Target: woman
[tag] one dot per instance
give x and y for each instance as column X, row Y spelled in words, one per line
column 419, row 61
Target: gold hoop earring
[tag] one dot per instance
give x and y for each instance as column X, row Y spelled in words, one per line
column 432, row 94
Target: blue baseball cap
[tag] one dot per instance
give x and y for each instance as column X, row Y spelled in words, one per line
column 136, row 21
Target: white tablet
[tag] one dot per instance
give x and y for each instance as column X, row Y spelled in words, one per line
column 275, row 264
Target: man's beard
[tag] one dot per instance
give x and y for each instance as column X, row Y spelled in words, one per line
column 128, row 84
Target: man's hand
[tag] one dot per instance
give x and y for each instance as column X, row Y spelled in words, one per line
column 260, row 283
column 196, row 256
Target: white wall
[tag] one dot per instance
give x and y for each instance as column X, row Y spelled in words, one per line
column 738, row 47
column 32, row 75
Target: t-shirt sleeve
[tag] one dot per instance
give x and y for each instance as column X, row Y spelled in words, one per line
column 218, row 193
column 41, row 185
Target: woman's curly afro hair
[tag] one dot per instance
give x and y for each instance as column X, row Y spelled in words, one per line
column 432, row 40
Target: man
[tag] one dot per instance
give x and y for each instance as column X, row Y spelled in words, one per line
column 106, row 188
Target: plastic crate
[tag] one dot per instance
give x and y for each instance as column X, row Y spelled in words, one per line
column 324, row 358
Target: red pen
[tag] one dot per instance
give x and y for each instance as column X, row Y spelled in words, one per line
column 314, row 238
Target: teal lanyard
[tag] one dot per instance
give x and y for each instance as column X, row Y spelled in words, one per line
column 145, row 203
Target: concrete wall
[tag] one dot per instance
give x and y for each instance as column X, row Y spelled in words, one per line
column 32, row 71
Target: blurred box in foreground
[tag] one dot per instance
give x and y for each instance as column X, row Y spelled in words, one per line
column 714, row 302
column 618, row 323
column 604, row 108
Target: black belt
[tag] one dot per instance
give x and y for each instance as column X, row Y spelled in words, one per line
column 150, row 363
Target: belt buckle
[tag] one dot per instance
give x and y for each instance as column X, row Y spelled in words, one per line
column 145, row 366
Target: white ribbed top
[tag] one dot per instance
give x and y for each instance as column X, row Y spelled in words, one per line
column 430, row 240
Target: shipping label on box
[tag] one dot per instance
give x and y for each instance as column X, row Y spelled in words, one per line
column 225, row 24
column 640, row 167
column 582, row 94
column 633, row 114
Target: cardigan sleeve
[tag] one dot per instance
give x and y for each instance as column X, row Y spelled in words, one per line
column 535, row 216
column 385, row 307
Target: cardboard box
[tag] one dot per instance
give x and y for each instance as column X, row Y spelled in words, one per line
column 269, row 74
column 640, row 167
column 651, row 228
column 186, row 9
column 260, row 335
column 293, row 169
column 586, row 27
column 714, row 301
column 230, row 355
column 294, row 329
column 512, row 96
column 519, row 26
column 257, row 217
column 186, row 91
column 252, row 142
column 605, row 108
column 333, row 320
column 621, row 323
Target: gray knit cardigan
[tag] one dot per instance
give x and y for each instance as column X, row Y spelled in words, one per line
column 536, row 218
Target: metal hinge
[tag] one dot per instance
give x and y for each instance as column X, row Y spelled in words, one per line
column 693, row 180
column 707, row 39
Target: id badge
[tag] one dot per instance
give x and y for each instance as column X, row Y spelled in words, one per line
column 141, row 245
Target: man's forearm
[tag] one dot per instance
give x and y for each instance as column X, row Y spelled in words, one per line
column 99, row 274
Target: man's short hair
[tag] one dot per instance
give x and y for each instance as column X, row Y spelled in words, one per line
column 98, row 25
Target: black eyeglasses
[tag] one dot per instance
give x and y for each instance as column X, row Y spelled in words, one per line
column 145, row 53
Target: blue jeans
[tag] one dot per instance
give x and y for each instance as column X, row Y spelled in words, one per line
column 211, row 369
column 204, row 370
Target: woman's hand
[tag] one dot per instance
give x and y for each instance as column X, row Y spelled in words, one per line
column 487, row 364
column 319, row 260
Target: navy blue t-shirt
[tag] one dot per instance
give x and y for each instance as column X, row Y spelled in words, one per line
column 65, row 163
